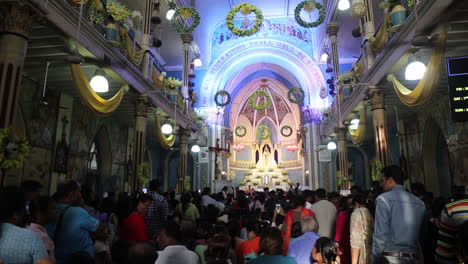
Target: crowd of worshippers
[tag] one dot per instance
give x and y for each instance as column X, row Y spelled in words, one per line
column 387, row 224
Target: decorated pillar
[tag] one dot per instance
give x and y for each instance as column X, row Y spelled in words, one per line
column 186, row 39
column 343, row 156
column 380, row 125
column 146, row 39
column 369, row 31
column 16, row 26
column 312, row 117
column 184, row 136
column 141, row 108
column 332, row 31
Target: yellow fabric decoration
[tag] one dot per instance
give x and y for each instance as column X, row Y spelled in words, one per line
column 94, row 102
column 380, row 40
column 98, row 4
column 428, row 84
column 136, row 57
column 357, row 136
column 166, row 142
column 157, row 80
column 358, row 68
column 78, row 2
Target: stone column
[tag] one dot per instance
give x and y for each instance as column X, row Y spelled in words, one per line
column 312, row 117
column 183, row 151
column 146, row 39
column 343, row 155
column 186, row 39
column 332, row 31
column 369, row 31
column 380, row 125
column 17, row 24
column 141, row 108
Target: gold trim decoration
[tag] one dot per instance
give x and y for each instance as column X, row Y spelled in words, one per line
column 157, row 80
column 357, row 136
column 166, row 142
column 94, row 102
column 359, row 68
column 381, row 38
column 79, row 2
column 428, row 84
column 136, row 57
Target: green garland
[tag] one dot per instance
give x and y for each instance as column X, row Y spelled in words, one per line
column 222, row 93
column 185, row 30
column 13, row 150
column 288, row 128
column 262, row 106
column 300, row 21
column 294, row 90
column 244, row 32
column 241, row 128
column 260, row 134
column 143, row 173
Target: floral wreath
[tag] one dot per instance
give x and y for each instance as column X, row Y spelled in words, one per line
column 299, row 99
column 262, row 106
column 260, row 130
column 309, row 6
column 13, row 151
column 143, row 173
column 241, row 128
column 186, row 13
column 245, row 9
column 286, row 128
column 222, row 93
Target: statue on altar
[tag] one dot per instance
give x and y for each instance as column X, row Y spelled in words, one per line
column 267, row 159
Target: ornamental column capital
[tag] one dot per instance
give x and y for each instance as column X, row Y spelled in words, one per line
column 377, row 98
column 18, row 18
column 341, row 133
column 332, row 28
column 141, row 105
column 187, row 38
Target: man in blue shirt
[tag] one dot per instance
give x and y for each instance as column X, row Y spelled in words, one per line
column 398, row 220
column 74, row 225
column 301, row 247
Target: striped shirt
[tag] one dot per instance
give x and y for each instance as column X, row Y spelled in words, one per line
column 452, row 218
column 157, row 214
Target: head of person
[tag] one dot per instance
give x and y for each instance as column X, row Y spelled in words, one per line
column 32, row 189
column 355, row 189
column 391, row 176
column 359, row 200
column 69, row 193
column 143, row 202
column 206, row 191
column 142, row 253
column 271, row 241
column 308, row 196
column 43, row 210
column 154, row 186
column 169, row 235
column 225, row 188
column 325, row 250
column 298, row 202
column 252, row 226
column 12, row 205
column 218, row 249
column 296, row 230
column 320, row 194
column 309, row 224
column 185, row 200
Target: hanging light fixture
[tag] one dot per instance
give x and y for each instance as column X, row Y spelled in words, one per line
column 197, row 61
column 238, row 147
column 166, row 129
column 331, row 145
column 99, row 82
column 354, row 124
column 343, row 5
column 170, row 13
column 415, row 69
column 292, row 147
column 324, row 57
column 195, row 148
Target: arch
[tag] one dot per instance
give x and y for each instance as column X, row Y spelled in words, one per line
column 103, row 173
column 437, row 177
column 231, row 62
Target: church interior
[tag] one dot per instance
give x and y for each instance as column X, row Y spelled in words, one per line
column 253, row 93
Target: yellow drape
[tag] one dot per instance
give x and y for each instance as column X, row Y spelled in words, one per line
column 357, row 136
column 166, row 142
column 136, row 57
column 94, row 102
column 156, row 80
column 382, row 37
column 358, row 68
column 99, row 5
column 78, row 2
column 428, row 84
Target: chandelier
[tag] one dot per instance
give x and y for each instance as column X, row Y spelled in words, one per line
column 238, row 147
column 292, row 147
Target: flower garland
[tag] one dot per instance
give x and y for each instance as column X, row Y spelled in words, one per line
column 143, row 173
column 288, row 128
column 222, row 93
column 13, row 151
column 260, row 132
column 244, row 131
column 245, row 9
column 293, row 91
column 186, row 13
column 119, row 12
column 263, row 106
column 309, row 4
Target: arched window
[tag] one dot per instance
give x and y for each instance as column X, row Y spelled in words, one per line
column 93, row 159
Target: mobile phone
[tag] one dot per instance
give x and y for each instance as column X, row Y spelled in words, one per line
column 278, row 208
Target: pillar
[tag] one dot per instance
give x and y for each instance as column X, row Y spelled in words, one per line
column 369, row 31
column 183, row 151
column 141, row 108
column 343, row 155
column 17, row 25
column 186, row 39
column 380, row 125
column 146, row 39
column 332, row 31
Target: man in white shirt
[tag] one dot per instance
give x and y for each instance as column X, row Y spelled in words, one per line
column 325, row 213
column 173, row 252
column 207, row 200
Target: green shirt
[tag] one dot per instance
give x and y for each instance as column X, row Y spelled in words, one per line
column 190, row 214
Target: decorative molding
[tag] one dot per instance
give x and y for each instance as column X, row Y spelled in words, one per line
column 377, row 99
column 18, row 19
column 341, row 133
column 187, row 38
column 332, row 28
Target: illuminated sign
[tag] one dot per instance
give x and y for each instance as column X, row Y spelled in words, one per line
column 457, row 71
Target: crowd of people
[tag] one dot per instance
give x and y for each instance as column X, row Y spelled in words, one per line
column 387, row 224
